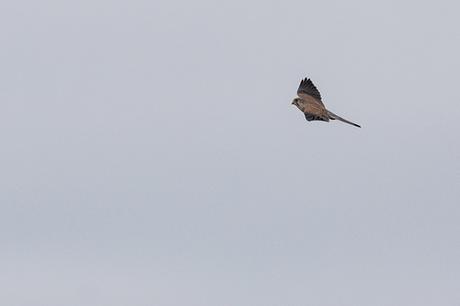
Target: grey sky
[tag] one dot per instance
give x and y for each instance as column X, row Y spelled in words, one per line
column 150, row 154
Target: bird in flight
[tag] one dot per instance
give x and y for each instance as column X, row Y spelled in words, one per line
column 309, row 102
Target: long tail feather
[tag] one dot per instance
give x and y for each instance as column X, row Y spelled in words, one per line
column 334, row 116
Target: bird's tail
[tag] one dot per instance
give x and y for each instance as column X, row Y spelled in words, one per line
column 333, row 116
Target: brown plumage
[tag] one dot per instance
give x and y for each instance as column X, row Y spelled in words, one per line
column 309, row 102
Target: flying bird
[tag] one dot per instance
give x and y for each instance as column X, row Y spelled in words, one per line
column 309, row 102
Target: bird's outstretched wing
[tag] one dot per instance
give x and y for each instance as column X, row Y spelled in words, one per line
column 307, row 87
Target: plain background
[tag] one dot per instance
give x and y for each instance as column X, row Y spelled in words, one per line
column 150, row 154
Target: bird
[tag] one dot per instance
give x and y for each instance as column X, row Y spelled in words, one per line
column 309, row 102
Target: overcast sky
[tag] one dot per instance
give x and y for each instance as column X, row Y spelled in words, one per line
column 150, row 154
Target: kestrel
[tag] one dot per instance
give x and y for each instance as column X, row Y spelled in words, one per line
column 309, row 102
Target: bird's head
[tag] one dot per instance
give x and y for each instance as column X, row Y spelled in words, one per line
column 295, row 101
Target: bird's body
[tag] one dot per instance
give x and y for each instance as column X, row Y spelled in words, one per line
column 310, row 103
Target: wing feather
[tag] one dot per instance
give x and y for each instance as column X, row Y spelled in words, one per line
column 307, row 87
column 311, row 117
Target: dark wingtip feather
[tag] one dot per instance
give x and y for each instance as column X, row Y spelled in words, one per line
column 307, row 87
